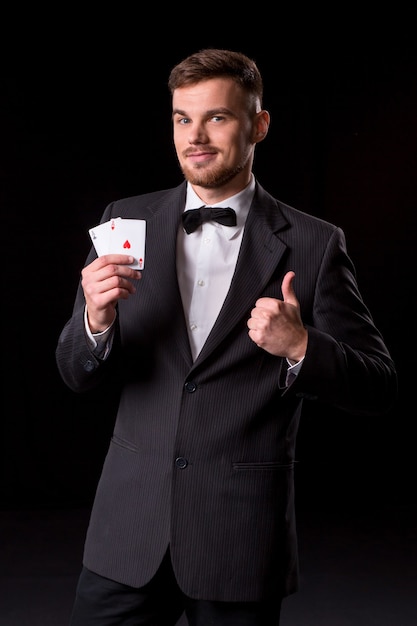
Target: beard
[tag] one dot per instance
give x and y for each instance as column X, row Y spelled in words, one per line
column 213, row 177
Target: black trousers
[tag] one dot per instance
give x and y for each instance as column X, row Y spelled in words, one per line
column 103, row 602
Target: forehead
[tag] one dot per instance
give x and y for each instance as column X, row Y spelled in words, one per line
column 208, row 95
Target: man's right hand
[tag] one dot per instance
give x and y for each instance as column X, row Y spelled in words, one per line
column 105, row 281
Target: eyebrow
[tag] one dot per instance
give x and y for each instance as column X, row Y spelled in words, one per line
column 209, row 113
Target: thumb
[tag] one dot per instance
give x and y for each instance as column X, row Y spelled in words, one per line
column 288, row 292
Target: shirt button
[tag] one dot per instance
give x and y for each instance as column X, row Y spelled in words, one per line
column 200, row 283
column 190, row 386
column 181, row 463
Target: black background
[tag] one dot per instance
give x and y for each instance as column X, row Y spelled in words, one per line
column 85, row 115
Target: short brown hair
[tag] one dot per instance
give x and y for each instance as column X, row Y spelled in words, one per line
column 216, row 63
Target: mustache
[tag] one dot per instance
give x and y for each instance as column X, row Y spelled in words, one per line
column 205, row 150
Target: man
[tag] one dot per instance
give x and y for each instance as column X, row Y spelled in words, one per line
column 215, row 345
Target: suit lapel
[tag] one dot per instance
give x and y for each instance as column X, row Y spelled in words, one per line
column 260, row 253
column 160, row 261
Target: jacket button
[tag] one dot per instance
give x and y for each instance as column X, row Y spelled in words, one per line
column 89, row 366
column 181, row 463
column 190, row 386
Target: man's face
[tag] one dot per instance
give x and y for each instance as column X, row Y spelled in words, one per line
column 213, row 133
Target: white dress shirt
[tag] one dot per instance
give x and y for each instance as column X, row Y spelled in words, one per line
column 206, row 261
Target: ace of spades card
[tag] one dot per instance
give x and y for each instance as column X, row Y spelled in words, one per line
column 121, row 236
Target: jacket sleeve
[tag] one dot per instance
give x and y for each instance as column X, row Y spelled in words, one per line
column 347, row 363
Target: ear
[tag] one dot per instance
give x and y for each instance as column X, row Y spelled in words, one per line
column 261, row 126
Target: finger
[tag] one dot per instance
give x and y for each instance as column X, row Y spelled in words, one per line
column 114, row 259
column 288, row 292
column 269, row 304
column 101, row 269
column 112, row 288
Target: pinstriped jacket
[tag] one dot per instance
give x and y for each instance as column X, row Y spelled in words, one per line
column 202, row 454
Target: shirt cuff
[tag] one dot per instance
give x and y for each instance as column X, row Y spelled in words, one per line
column 100, row 343
column 293, row 371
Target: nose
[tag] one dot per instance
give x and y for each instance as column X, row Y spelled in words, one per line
column 197, row 134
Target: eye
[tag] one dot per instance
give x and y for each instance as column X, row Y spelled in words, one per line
column 217, row 118
column 183, row 120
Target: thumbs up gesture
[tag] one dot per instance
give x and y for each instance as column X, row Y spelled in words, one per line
column 276, row 325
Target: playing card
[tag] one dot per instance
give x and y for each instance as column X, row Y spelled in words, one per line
column 123, row 236
column 127, row 236
column 100, row 236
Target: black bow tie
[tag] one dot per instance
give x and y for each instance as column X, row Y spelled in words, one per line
column 195, row 217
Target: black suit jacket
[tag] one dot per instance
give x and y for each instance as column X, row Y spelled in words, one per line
column 202, row 454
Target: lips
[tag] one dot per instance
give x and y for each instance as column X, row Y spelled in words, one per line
column 198, row 157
